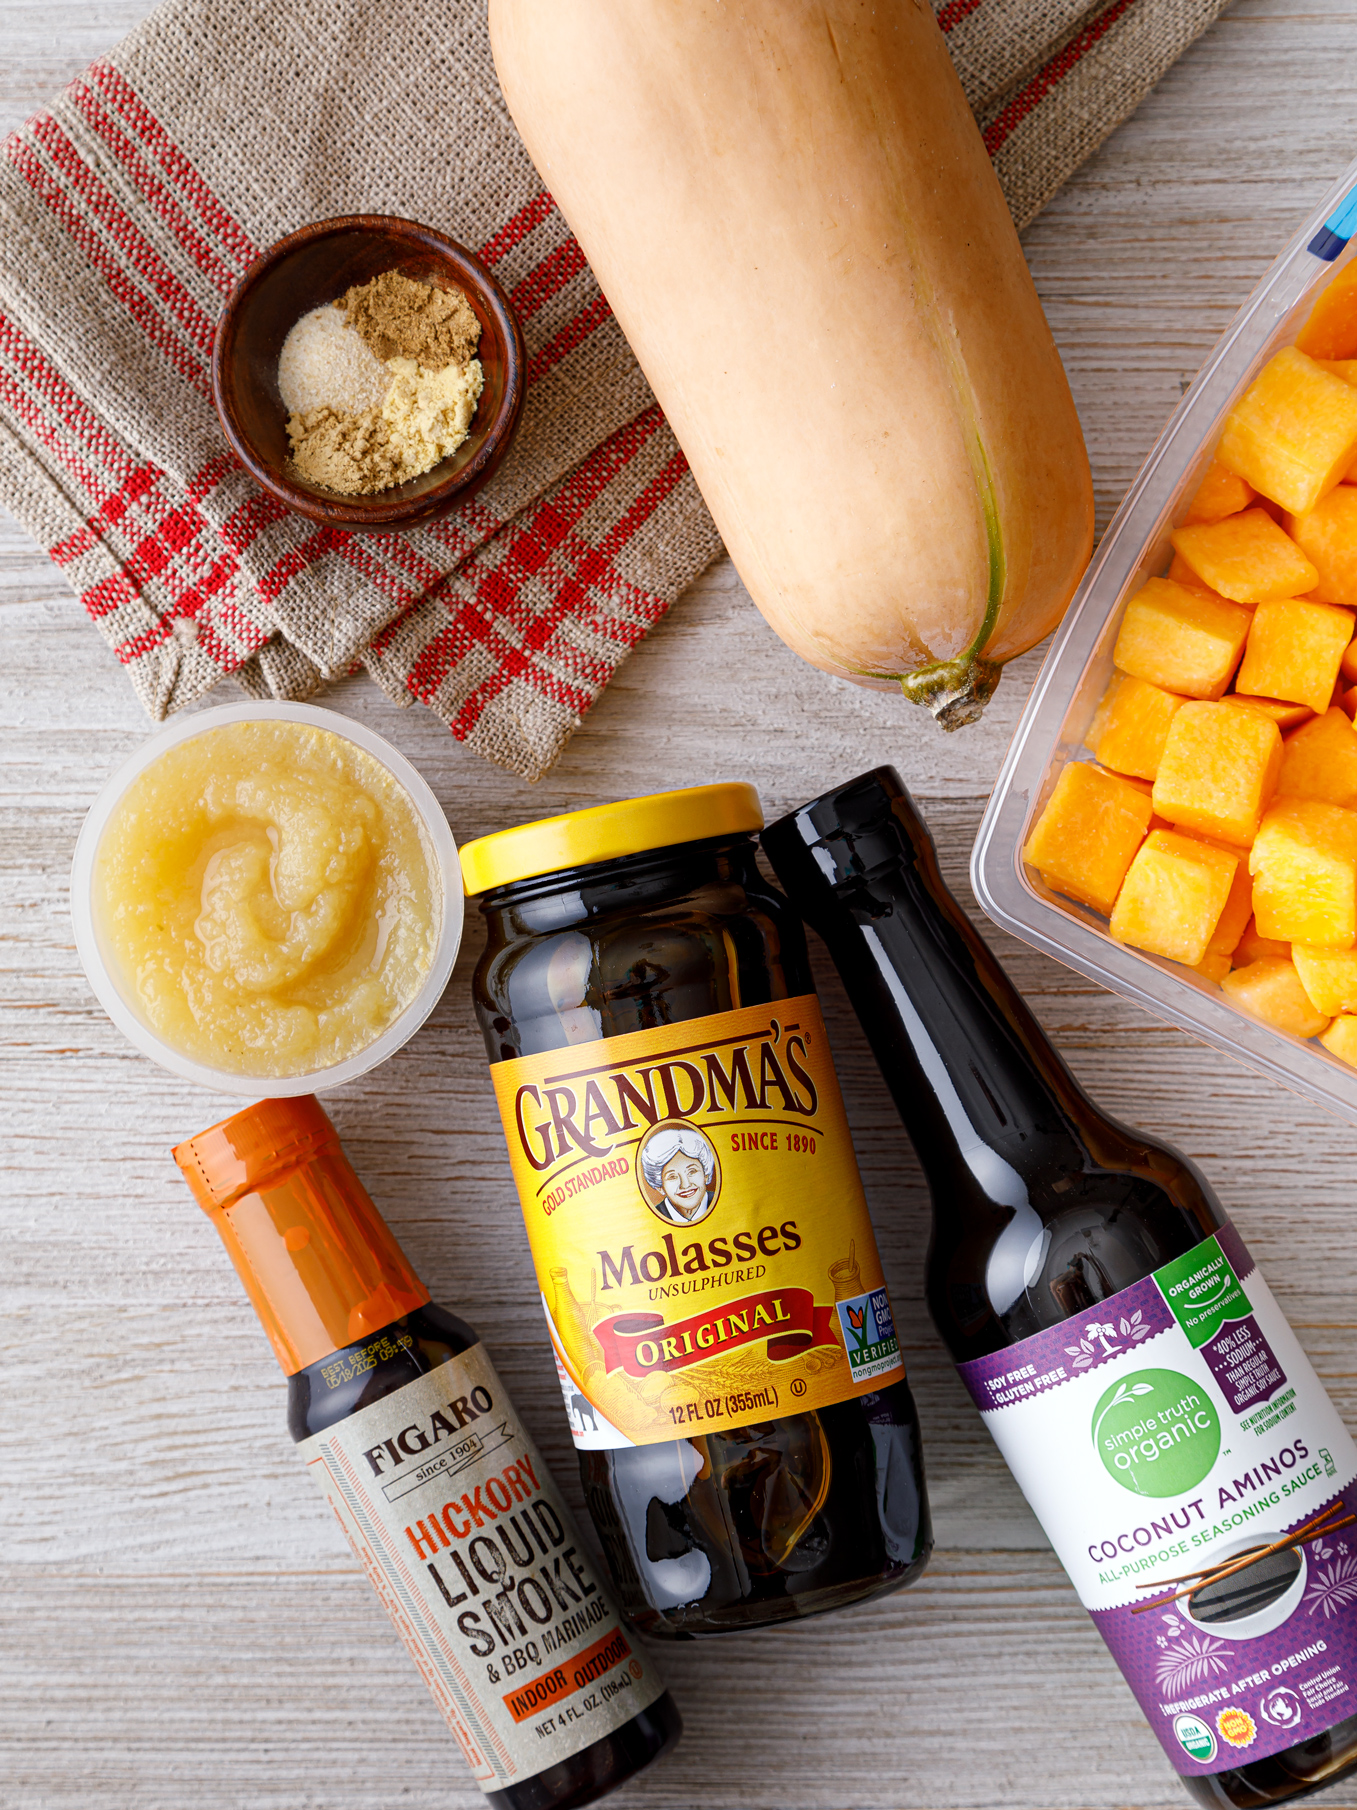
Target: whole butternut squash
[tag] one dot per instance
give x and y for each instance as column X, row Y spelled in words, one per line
column 791, row 211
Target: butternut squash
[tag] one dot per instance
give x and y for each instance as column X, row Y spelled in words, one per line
column 790, row 209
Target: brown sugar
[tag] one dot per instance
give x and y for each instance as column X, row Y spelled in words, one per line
column 400, row 318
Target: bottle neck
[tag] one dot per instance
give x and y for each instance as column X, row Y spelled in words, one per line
column 653, row 939
column 980, row 1089
column 318, row 1261
column 347, row 1381
column 573, row 897
column 1043, row 1205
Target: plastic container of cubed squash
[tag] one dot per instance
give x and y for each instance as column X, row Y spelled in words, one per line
column 1078, row 668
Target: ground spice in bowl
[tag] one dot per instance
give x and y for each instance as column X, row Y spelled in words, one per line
column 380, row 385
column 398, row 318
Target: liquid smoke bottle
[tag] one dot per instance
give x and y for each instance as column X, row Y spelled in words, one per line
column 414, row 1442
column 1130, row 1361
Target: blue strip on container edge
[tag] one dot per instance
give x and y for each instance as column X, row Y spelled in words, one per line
column 1336, row 230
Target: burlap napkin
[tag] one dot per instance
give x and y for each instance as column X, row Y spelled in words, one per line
column 1049, row 80
column 131, row 205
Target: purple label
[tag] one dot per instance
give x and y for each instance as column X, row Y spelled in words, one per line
column 1198, row 1486
column 1243, row 1363
column 1254, row 1692
column 1236, row 1250
column 1075, row 1347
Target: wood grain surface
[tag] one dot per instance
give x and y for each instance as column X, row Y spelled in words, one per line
column 182, row 1622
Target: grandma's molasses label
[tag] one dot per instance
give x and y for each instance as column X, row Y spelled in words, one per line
column 702, row 1241
column 457, row 1522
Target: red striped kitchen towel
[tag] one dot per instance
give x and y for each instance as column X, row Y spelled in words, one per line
column 130, row 207
column 1049, row 80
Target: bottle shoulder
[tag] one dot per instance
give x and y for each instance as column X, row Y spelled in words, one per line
column 355, row 1377
column 643, row 963
column 1000, row 1271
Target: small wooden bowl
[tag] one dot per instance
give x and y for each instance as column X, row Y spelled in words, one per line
column 314, row 265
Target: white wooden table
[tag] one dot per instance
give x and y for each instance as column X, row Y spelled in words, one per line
column 182, row 1622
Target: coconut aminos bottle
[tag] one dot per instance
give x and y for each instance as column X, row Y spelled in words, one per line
column 707, row 1265
column 443, row 1496
column 1129, row 1360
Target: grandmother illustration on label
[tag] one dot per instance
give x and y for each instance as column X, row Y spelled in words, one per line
column 679, row 1172
column 1136, row 1373
column 708, row 1270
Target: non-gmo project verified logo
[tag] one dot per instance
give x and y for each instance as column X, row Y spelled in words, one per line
column 869, row 1334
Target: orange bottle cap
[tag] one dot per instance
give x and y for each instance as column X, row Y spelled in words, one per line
column 315, row 1255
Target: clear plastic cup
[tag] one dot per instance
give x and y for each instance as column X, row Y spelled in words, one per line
column 101, row 968
column 1079, row 665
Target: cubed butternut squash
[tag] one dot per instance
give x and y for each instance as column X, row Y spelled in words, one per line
column 1320, row 761
column 1294, row 650
column 1173, row 895
column 1327, row 536
column 1181, row 640
column 1270, row 989
column 1293, row 432
column 1304, row 867
column 1219, row 494
column 1331, row 330
column 1329, row 977
column 1247, row 557
column 1146, row 787
column 1341, row 1039
column 1083, row 841
column 1251, row 946
column 1220, row 954
column 1346, row 368
column 1285, row 716
column 1237, row 912
column 1181, row 573
column 1218, row 771
column 1131, row 725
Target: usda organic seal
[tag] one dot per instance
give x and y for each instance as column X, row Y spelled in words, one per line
column 1195, row 1738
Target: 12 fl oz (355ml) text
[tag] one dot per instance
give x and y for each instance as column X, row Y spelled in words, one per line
column 739, row 1401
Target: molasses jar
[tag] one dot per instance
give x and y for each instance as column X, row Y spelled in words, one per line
column 732, row 1377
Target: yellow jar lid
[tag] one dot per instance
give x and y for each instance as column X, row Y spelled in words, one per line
column 607, row 831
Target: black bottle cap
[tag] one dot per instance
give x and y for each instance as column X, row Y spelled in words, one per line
column 835, row 846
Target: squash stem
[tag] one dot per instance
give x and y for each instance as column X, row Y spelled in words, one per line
column 957, row 691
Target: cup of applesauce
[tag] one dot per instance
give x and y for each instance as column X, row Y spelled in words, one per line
column 266, row 899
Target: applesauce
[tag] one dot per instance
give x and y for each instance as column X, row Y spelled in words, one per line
column 268, row 894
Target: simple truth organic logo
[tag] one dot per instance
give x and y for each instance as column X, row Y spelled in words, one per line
column 1156, row 1432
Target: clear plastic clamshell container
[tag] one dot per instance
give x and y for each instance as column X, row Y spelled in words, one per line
column 1079, row 666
